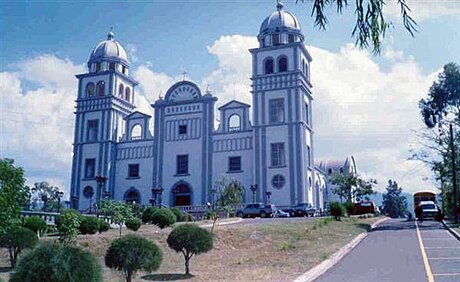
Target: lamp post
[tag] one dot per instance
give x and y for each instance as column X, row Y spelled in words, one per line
column 253, row 189
column 100, row 179
column 156, row 193
column 213, row 192
column 268, row 196
column 59, row 196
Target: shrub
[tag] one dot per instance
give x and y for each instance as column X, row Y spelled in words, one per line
column 211, row 215
column 177, row 212
column 133, row 224
column 68, row 223
column 138, row 210
column 89, row 225
column 36, row 224
column 337, row 210
column 186, row 217
column 147, row 215
column 190, row 239
column 350, row 208
column 103, row 226
column 17, row 240
column 132, row 253
column 163, row 218
column 58, row 263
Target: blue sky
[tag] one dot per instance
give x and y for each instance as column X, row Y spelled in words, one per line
column 364, row 105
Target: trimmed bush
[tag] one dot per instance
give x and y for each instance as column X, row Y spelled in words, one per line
column 89, row 225
column 133, row 224
column 163, row 218
column 147, row 215
column 131, row 253
column 57, row 263
column 190, row 239
column 138, row 210
column 16, row 241
column 103, row 226
column 337, row 210
column 68, row 223
column 350, row 208
column 36, row 224
column 177, row 212
column 187, row 217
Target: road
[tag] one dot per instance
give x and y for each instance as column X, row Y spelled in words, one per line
column 403, row 251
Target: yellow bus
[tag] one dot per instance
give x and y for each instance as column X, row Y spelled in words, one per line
column 423, row 196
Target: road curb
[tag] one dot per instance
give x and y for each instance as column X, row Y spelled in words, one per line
column 452, row 231
column 321, row 268
column 222, row 223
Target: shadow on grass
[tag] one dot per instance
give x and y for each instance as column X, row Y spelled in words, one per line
column 167, row 277
column 5, row 269
column 363, row 226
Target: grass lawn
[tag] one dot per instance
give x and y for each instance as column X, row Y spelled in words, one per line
column 278, row 250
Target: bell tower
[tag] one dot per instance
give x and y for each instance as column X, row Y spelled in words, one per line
column 105, row 96
column 282, row 98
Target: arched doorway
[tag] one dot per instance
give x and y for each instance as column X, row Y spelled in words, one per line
column 132, row 196
column 181, row 195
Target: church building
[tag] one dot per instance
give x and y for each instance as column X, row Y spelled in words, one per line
column 116, row 155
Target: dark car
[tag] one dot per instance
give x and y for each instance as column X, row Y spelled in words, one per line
column 304, row 209
column 257, row 210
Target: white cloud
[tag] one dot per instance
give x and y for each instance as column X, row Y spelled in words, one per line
column 422, row 10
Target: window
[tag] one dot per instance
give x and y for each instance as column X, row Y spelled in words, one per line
column 278, row 181
column 112, row 66
column 90, row 165
column 90, row 89
column 276, row 39
column 92, row 130
column 123, row 69
column 98, row 67
column 307, row 114
column 133, row 170
column 308, row 155
column 282, row 64
column 234, row 164
column 303, row 65
column 136, row 132
column 101, row 88
column 277, row 154
column 234, row 123
column 88, row 192
column 291, row 38
column 128, row 94
column 268, row 65
column 183, row 129
column 121, row 90
column 276, row 110
column 182, row 164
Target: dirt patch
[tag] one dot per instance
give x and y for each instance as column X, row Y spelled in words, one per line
column 273, row 251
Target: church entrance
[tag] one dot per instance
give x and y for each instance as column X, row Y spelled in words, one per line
column 182, row 195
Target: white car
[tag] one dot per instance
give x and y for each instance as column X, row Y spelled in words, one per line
column 429, row 209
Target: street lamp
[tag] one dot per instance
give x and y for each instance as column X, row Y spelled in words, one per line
column 213, row 192
column 268, row 196
column 156, row 193
column 59, row 196
column 100, row 179
column 253, row 189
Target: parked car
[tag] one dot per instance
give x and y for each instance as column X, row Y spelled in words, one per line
column 281, row 213
column 365, row 207
column 257, row 210
column 304, row 209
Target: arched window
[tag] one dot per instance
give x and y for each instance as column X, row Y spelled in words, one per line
column 101, row 88
column 303, row 65
column 136, row 132
column 98, row 67
column 234, row 123
column 282, row 64
column 132, row 196
column 276, row 39
column 121, row 90
column 268, row 65
column 128, row 94
column 90, row 89
column 112, row 66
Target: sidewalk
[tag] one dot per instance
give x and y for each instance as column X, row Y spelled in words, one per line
column 454, row 229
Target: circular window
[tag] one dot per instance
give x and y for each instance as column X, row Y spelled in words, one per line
column 88, row 192
column 278, row 181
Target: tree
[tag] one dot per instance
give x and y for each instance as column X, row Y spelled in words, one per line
column 57, row 263
column 163, row 218
column 190, row 239
column 229, row 192
column 349, row 186
column 337, row 210
column 16, row 241
column 14, row 194
column 370, row 26
column 132, row 253
column 47, row 194
column 36, row 224
column 394, row 203
column 68, row 224
column 118, row 212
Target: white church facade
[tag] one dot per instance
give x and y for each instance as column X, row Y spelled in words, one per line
column 116, row 155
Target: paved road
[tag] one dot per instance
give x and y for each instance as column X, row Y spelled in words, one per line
column 393, row 253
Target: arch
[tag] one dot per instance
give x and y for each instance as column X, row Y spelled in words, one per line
column 101, row 88
column 181, row 194
column 234, row 123
column 136, row 132
column 121, row 90
column 128, row 94
column 90, row 89
column 282, row 64
column 268, row 65
column 132, row 196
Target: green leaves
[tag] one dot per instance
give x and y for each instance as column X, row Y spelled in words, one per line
column 349, row 186
column 68, row 224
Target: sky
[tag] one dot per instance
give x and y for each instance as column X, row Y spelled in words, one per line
column 365, row 105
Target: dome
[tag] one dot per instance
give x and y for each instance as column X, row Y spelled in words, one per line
column 280, row 22
column 108, row 50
